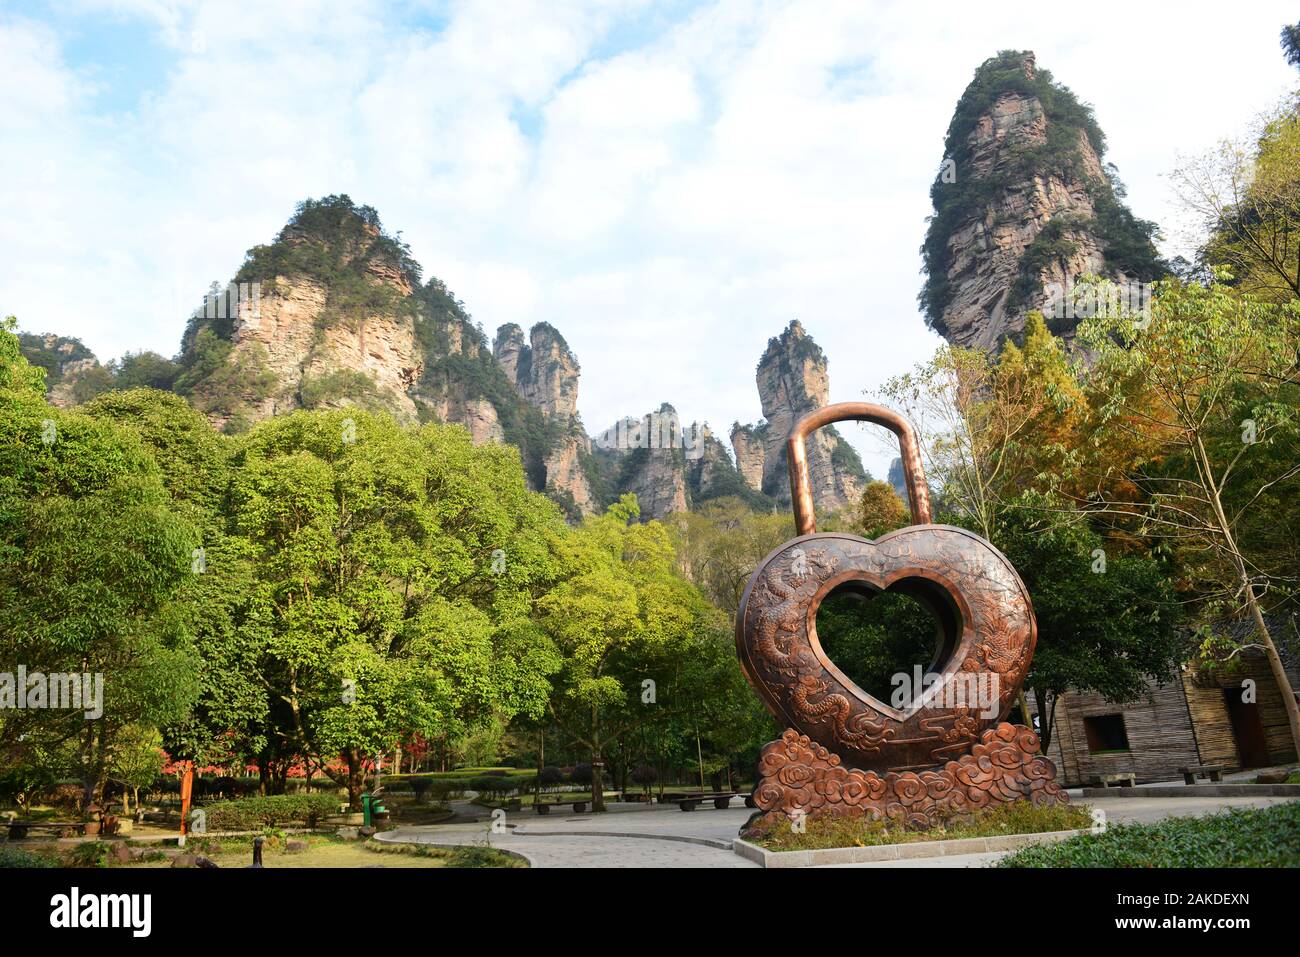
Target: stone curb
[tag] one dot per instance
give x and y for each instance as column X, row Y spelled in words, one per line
column 1198, row 790
column 451, row 847
column 894, row 852
column 703, row 841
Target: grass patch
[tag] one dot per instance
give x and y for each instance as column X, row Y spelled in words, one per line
column 328, row 850
column 1019, row 818
column 1249, row 837
column 470, row 855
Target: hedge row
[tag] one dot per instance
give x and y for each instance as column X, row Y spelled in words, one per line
column 253, row 813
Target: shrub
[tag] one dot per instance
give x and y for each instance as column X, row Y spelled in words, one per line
column 474, row 856
column 1249, row 837
column 18, row 858
column 493, row 786
column 67, row 795
column 253, row 813
column 439, row 791
column 644, row 775
column 581, row 774
column 89, row 854
column 550, row 776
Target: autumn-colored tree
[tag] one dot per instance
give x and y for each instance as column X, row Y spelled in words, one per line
column 1211, row 380
column 881, row 510
column 991, row 426
column 1247, row 197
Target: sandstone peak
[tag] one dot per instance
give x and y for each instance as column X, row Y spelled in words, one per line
column 1023, row 205
column 792, row 381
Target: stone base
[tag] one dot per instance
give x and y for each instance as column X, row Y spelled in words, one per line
column 798, row 775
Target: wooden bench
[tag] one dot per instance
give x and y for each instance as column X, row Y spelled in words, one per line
column 1190, row 773
column 18, row 829
column 544, row 807
column 1118, row 779
column 689, row 802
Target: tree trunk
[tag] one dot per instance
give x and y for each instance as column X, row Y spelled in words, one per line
column 597, row 782
column 356, row 779
column 1279, row 672
column 1046, row 717
column 541, row 764
column 1252, row 603
column 597, row 765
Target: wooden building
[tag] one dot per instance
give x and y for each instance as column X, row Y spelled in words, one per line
column 1237, row 720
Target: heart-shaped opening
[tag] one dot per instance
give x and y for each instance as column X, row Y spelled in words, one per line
column 882, row 640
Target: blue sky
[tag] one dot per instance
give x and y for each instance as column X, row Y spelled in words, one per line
column 668, row 184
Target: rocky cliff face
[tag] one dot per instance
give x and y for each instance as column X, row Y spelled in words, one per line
column 544, row 372
column 792, row 381
column 71, row 370
column 1023, row 208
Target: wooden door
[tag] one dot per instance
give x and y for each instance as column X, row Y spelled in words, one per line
column 1247, row 729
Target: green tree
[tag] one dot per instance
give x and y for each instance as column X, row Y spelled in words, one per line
column 1108, row 621
column 92, row 562
column 135, row 761
column 393, row 576
column 621, row 616
column 720, row 544
column 144, row 370
column 1210, row 380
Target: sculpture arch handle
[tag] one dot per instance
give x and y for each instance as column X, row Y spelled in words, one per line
column 918, row 492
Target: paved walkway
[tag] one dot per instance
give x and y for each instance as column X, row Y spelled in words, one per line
column 664, row 836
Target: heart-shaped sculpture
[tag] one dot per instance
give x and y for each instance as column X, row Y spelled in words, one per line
column 980, row 602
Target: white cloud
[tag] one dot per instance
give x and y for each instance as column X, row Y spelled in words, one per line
column 669, row 191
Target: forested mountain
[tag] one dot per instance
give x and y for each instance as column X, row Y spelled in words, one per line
column 336, row 313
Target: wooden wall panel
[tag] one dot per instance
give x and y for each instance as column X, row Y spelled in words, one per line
column 1169, row 726
column 1159, row 736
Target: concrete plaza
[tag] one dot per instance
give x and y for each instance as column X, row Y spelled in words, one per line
column 665, row 836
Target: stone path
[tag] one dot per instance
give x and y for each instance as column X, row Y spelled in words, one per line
column 664, row 836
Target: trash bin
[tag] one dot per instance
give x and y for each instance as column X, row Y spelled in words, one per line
column 372, row 809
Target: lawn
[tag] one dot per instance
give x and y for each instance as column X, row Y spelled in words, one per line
column 322, row 851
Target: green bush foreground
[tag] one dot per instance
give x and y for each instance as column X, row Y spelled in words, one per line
column 1251, row 837
column 254, row 813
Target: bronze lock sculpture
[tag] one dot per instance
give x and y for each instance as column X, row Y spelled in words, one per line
column 948, row 752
